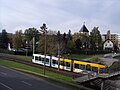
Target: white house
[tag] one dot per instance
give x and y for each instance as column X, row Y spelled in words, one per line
column 108, row 45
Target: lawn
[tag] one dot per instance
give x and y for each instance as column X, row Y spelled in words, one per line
column 78, row 57
column 118, row 57
column 89, row 58
column 29, row 58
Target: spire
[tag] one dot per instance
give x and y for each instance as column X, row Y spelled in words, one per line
column 83, row 23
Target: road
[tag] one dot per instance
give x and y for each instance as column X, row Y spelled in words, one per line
column 14, row 80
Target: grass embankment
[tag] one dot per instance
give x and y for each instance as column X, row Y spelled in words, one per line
column 29, row 58
column 118, row 57
column 78, row 57
column 89, row 58
column 40, row 71
column 116, row 65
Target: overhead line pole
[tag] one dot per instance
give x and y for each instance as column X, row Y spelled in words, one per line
column 45, row 51
column 33, row 45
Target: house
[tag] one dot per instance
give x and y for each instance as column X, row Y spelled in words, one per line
column 108, row 45
column 112, row 37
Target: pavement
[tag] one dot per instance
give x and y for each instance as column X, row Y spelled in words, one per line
column 14, row 80
column 108, row 59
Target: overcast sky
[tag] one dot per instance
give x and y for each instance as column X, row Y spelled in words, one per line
column 60, row 14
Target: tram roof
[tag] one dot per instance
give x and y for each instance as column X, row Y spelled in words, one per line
column 91, row 64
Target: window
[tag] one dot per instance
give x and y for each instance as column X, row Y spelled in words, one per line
column 108, row 41
column 67, row 64
column 47, row 60
column 82, row 67
column 36, row 58
column 55, row 62
column 94, row 69
column 76, row 65
column 62, row 63
column 105, row 44
column 42, row 59
column 88, row 67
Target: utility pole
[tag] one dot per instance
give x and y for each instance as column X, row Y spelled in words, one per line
column 26, row 48
column 45, row 32
column 58, row 56
column 33, row 45
column 45, row 51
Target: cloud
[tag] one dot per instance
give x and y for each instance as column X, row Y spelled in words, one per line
column 60, row 14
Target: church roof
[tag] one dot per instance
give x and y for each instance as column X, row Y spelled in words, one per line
column 83, row 29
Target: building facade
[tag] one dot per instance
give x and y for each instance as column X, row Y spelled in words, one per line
column 112, row 37
column 119, row 41
column 108, row 45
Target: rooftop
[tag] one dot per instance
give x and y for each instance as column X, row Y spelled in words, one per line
column 83, row 29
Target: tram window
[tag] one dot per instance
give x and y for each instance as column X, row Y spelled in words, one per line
column 54, row 62
column 42, row 59
column 94, row 69
column 103, row 70
column 39, row 58
column 36, row 58
column 62, row 63
column 82, row 67
column 68, row 64
column 88, row 67
column 76, row 66
column 47, row 60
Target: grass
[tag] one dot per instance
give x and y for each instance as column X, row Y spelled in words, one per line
column 29, row 58
column 12, row 64
column 116, row 65
column 117, row 57
column 78, row 57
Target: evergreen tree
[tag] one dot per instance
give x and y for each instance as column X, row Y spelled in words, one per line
column 4, row 39
column 95, row 39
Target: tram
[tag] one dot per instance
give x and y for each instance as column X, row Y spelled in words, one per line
column 68, row 64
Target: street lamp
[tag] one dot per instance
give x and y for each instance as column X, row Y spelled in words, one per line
column 45, row 32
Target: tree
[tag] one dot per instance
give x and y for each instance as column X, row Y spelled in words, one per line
column 78, row 43
column 69, row 36
column 59, row 36
column 61, row 43
column 43, row 37
column 43, row 28
column 81, row 40
column 95, row 39
column 30, row 33
column 52, row 43
column 17, row 40
column 4, row 39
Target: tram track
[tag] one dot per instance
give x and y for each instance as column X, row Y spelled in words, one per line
column 19, row 60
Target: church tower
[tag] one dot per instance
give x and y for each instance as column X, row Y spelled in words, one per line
column 84, row 30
